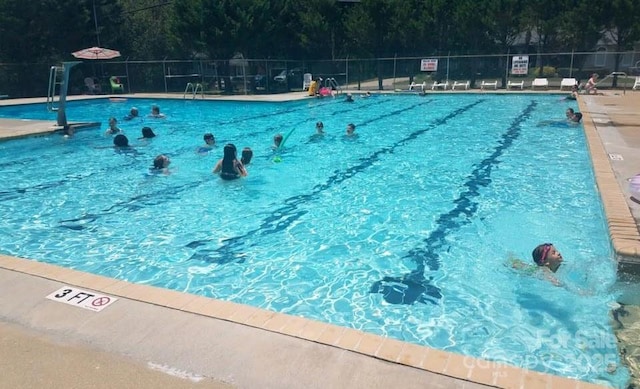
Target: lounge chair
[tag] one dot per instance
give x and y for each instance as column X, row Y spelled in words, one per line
column 306, row 81
column 413, row 86
column 540, row 82
column 92, row 87
column 463, row 84
column 515, row 84
column 116, row 85
column 491, row 84
column 636, row 85
column 442, row 85
column 568, row 82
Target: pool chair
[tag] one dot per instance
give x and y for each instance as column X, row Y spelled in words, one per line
column 515, row 84
column 116, row 85
column 460, row 84
column 636, row 85
column 306, row 81
column 92, row 87
column 568, row 82
column 413, row 86
column 489, row 84
column 437, row 85
column 540, row 83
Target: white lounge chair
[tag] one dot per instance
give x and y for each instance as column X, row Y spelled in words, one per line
column 568, row 82
column 490, row 84
column 92, row 87
column 463, row 84
column 540, row 82
column 442, row 85
column 414, row 86
column 636, row 85
column 306, row 81
column 515, row 84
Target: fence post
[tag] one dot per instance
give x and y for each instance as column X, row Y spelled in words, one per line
column 164, row 74
column 395, row 57
column 347, row 72
column 571, row 66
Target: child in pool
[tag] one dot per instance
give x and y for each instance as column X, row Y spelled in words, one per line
column 546, row 257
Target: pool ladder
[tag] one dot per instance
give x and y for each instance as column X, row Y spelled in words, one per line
column 331, row 83
column 194, row 87
column 55, row 81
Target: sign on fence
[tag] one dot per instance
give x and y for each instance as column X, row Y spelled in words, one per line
column 520, row 64
column 428, row 65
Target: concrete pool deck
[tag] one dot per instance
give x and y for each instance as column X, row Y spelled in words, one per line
column 152, row 337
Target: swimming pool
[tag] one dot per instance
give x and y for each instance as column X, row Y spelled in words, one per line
column 404, row 231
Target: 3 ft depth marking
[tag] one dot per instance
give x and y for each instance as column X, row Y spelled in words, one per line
column 82, row 298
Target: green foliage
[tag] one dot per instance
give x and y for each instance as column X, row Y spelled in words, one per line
column 547, row 71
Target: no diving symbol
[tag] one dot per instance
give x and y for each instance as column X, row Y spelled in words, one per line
column 100, row 301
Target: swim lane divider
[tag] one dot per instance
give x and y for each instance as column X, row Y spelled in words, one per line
column 414, row 286
column 284, row 216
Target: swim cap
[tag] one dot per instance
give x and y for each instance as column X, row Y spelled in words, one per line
column 540, row 253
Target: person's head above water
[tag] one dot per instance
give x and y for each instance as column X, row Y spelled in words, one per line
column 121, row 141
column 134, row 112
column 247, row 154
column 147, row 132
column 277, row 140
column 161, row 162
column 209, row 139
column 351, row 128
column 229, row 151
column 320, row 128
column 547, row 255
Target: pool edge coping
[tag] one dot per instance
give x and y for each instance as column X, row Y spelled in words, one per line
column 440, row 362
column 621, row 225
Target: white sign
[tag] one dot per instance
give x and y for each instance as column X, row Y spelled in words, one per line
column 428, row 65
column 82, row 298
column 520, row 64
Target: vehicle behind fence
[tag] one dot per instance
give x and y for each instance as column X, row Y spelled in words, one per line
column 259, row 76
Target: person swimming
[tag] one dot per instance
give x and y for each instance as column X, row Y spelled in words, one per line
column 229, row 167
column 133, row 113
column 161, row 164
column 147, row 133
column 155, row 113
column 120, row 141
column 247, row 154
column 209, row 143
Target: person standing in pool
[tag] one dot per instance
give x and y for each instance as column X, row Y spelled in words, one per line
column 277, row 141
column 113, row 127
column 351, row 129
column 155, row 113
column 229, row 168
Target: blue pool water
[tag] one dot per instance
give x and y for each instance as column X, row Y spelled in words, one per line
column 404, row 231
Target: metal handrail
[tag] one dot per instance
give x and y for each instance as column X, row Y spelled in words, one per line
column 51, row 91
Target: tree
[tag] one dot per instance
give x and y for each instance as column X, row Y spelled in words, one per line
column 623, row 27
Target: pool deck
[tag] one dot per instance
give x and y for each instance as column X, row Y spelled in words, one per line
column 152, row 337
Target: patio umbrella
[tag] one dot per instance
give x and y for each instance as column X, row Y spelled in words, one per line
column 96, row 53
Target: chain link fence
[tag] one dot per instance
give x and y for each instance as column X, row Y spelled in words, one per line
column 260, row 76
